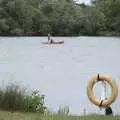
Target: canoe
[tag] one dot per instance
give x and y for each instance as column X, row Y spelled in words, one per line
column 54, row 42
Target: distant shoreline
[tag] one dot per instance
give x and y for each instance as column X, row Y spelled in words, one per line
column 59, row 36
column 103, row 33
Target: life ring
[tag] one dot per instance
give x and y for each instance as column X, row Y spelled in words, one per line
column 92, row 97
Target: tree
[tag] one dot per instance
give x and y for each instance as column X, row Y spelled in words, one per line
column 93, row 20
column 110, row 9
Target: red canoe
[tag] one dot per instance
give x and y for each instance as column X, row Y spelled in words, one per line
column 54, row 42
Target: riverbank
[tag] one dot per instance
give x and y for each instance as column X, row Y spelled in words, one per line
column 102, row 33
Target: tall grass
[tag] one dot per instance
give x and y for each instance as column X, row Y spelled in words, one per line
column 15, row 98
column 36, row 116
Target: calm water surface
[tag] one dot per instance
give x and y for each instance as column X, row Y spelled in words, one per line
column 61, row 72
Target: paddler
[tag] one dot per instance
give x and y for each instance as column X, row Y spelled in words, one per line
column 48, row 37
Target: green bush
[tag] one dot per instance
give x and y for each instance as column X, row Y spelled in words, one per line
column 15, row 98
column 35, row 102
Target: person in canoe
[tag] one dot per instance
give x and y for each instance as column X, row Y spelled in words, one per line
column 49, row 40
column 48, row 37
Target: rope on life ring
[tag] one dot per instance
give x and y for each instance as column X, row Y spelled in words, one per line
column 92, row 97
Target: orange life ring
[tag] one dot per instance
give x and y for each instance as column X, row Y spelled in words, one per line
column 92, row 97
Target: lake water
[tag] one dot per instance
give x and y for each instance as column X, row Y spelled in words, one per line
column 61, row 72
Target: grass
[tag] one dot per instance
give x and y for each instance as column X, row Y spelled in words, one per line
column 12, row 98
column 4, row 115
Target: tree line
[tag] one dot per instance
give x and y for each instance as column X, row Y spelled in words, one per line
column 60, row 17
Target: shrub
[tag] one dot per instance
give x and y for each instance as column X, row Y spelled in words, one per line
column 35, row 102
column 15, row 98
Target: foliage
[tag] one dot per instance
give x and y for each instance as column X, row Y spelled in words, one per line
column 111, row 11
column 93, row 20
column 60, row 17
column 15, row 98
column 35, row 102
